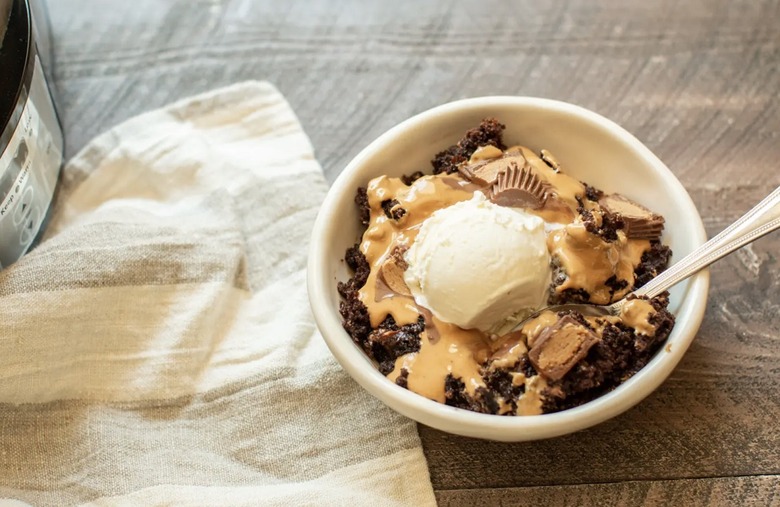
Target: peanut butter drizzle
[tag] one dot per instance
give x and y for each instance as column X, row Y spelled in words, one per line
column 453, row 350
column 636, row 313
column 534, row 327
column 508, row 351
column 382, row 291
column 504, row 407
column 530, row 403
column 458, row 352
column 518, row 379
column 588, row 260
column 420, row 200
column 488, row 152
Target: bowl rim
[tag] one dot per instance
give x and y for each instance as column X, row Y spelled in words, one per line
column 464, row 422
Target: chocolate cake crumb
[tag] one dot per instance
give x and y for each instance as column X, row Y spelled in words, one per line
column 455, row 395
column 408, row 179
column 619, row 355
column 364, row 210
column 592, row 193
column 662, row 320
column 388, row 342
column 610, row 224
column 403, row 378
column 577, row 316
column 654, row 261
column 659, row 302
column 448, row 160
column 455, row 392
column 355, row 318
column 570, row 295
column 488, row 401
column 393, row 209
column 359, row 265
column 353, row 312
column 489, row 132
column 500, row 381
column 606, row 228
column 615, row 285
column 525, row 367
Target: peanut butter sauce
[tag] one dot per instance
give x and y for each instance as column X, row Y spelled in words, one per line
column 457, row 352
column 636, row 313
column 420, row 200
column 588, row 261
column 530, row 403
column 508, row 352
column 445, row 349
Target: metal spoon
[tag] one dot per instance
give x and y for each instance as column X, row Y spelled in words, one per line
column 759, row 221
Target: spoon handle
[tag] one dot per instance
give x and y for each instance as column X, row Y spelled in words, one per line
column 762, row 219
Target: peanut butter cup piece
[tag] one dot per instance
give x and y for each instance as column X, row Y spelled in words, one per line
column 550, row 160
column 467, row 170
column 519, row 187
column 392, row 272
column 486, row 172
column 639, row 222
column 560, row 346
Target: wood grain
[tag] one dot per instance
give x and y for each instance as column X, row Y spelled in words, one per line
column 696, row 81
column 727, row 492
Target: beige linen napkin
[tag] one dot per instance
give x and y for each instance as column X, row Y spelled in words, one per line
column 157, row 347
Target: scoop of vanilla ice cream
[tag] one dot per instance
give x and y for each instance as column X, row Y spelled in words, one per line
column 479, row 265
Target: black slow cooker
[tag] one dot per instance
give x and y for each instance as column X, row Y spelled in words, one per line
column 31, row 141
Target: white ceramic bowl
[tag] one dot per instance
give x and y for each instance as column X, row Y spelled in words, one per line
column 590, row 148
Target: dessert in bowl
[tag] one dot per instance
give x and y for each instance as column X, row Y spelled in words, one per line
column 451, row 362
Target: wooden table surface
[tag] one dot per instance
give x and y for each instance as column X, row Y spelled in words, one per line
column 697, row 81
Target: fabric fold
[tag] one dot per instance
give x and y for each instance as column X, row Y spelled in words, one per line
column 157, row 346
